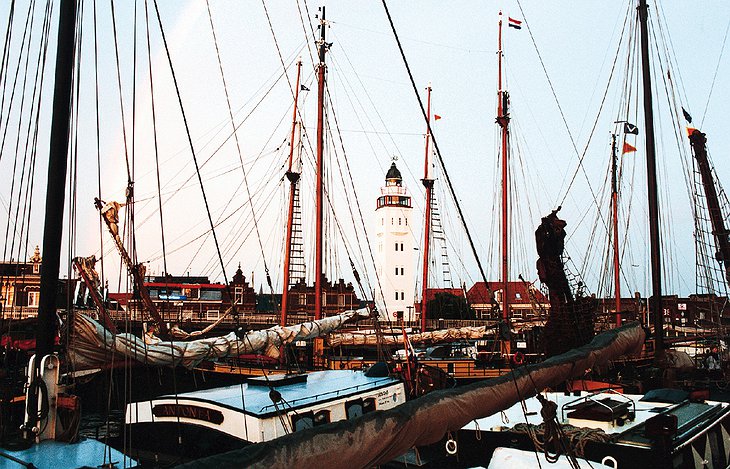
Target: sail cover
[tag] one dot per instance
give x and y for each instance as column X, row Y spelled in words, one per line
column 379, row 437
column 92, row 344
column 442, row 335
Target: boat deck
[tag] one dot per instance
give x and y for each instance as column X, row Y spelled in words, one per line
column 55, row 455
column 319, row 386
column 515, row 414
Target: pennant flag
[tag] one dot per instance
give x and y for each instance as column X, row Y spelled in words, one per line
column 631, row 129
column 687, row 116
column 628, row 148
column 513, row 23
column 304, row 88
column 436, row 117
column 690, row 130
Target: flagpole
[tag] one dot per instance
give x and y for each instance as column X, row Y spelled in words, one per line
column 293, row 178
column 428, row 184
column 503, row 121
column 614, row 209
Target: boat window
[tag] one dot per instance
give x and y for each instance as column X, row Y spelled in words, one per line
column 303, row 421
column 322, row 417
column 368, row 405
column 354, row 409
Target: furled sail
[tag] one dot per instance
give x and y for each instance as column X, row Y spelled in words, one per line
column 92, row 344
column 442, row 335
column 379, row 437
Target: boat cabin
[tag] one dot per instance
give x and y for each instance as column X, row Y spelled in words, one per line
column 261, row 409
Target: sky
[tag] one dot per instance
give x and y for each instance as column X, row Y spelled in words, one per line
column 557, row 70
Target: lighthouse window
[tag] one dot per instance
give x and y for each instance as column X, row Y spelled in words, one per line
column 399, row 221
column 401, row 246
column 396, row 296
column 396, row 270
column 396, row 246
column 402, row 295
column 406, row 221
column 402, row 271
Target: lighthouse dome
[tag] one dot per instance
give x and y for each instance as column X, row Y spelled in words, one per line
column 393, row 175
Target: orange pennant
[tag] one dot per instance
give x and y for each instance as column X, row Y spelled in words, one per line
column 628, row 148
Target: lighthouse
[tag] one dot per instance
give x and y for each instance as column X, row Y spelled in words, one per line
column 395, row 249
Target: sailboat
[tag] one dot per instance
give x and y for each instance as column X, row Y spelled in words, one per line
column 96, row 345
column 659, row 429
column 44, row 399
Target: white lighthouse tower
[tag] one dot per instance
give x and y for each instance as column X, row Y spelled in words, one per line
column 395, row 254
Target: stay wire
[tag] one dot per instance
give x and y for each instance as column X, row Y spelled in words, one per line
column 438, row 154
column 98, row 140
column 28, row 24
column 714, row 76
column 357, row 203
column 192, row 150
column 159, row 189
column 121, row 97
column 238, row 144
column 15, row 77
column 6, row 58
column 29, row 148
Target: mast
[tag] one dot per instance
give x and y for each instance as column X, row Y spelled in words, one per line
column 293, row 178
column 655, row 303
column 719, row 230
column 321, row 69
column 428, row 184
column 55, row 198
column 503, row 121
column 614, row 210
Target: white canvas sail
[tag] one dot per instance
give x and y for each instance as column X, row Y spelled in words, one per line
column 92, row 344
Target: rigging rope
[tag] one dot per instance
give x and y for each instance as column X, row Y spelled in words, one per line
column 438, row 154
column 192, row 148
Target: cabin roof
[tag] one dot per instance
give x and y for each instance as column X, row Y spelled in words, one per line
column 320, row 386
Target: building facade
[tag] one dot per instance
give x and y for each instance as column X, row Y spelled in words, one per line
column 526, row 302
column 396, row 257
column 20, row 284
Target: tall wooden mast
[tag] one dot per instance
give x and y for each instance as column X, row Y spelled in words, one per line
column 719, row 231
column 55, row 199
column 655, row 303
column 319, row 248
column 503, row 121
column 293, row 178
column 614, row 212
column 428, row 184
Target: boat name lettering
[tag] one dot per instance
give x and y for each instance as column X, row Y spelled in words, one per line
column 383, row 393
column 188, row 411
